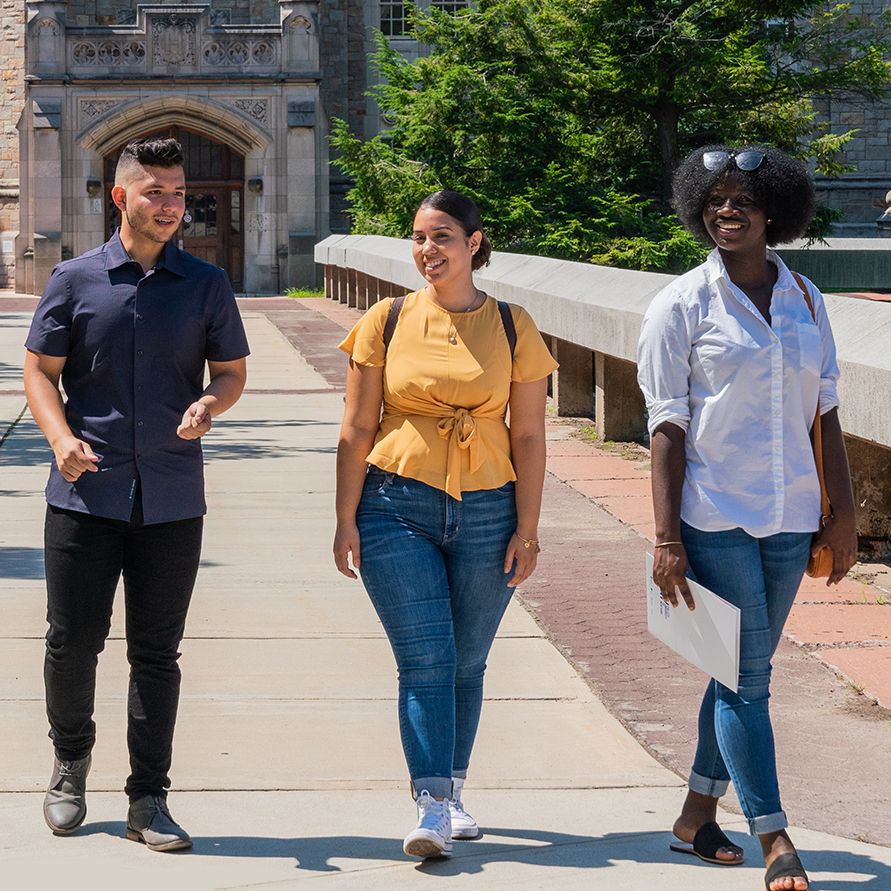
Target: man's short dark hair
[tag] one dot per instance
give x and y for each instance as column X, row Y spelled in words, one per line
column 781, row 186
column 159, row 152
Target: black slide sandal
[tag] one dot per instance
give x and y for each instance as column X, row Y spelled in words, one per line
column 706, row 843
column 785, row 866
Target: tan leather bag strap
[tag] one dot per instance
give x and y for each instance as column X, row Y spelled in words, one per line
column 817, row 429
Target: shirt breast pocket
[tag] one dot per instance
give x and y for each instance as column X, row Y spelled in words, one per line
column 720, row 362
column 810, row 347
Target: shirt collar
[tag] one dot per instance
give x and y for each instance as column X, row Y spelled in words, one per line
column 715, row 271
column 116, row 255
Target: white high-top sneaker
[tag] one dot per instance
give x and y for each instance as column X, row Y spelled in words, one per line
column 463, row 825
column 433, row 835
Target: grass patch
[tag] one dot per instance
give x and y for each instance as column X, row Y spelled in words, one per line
column 630, row 451
column 303, row 292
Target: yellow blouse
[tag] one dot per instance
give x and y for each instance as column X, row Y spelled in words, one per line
column 446, row 387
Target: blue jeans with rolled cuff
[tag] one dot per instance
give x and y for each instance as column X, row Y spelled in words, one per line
column 761, row 576
column 433, row 567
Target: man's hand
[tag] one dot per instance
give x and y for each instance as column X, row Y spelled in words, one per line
column 195, row 423
column 74, row 457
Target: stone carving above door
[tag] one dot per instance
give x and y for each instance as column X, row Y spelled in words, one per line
column 175, row 40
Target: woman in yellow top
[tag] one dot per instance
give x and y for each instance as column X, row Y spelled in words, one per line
column 438, row 499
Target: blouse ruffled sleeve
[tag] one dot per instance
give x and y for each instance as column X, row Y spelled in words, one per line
column 365, row 343
column 532, row 359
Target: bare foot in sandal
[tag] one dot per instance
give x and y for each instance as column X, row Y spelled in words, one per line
column 701, row 836
column 784, row 869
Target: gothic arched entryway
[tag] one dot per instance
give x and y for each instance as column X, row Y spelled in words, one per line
column 214, row 198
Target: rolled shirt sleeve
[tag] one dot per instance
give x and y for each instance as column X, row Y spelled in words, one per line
column 829, row 372
column 663, row 361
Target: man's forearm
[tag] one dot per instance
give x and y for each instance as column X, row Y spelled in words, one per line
column 222, row 392
column 45, row 403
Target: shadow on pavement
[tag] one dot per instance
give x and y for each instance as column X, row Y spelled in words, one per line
column 10, row 375
column 21, row 563
column 25, row 446
column 552, row 849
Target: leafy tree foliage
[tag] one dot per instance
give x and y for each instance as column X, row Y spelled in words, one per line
column 564, row 119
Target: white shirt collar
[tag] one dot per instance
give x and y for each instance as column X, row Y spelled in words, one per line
column 715, row 271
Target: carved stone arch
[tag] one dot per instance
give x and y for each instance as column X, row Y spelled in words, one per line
column 202, row 116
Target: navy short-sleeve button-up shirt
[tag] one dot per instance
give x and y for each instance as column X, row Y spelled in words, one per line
column 135, row 345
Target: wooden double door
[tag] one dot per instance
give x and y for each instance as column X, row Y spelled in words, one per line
column 215, row 231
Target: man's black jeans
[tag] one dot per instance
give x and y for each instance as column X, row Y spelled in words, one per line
column 85, row 557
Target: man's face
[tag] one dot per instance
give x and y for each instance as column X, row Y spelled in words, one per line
column 152, row 203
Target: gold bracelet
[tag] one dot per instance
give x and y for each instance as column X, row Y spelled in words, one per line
column 528, row 542
column 665, row 544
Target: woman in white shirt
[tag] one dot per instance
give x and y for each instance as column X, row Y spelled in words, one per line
column 733, row 366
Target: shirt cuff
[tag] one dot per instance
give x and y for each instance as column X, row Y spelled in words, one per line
column 677, row 411
column 828, row 396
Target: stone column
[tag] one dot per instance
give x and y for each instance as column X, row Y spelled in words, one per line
column 39, row 242
column 619, row 410
column 301, row 192
column 574, row 380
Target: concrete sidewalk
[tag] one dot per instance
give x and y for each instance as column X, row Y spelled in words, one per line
column 287, row 762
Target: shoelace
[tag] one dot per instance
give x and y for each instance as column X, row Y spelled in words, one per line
column 431, row 807
column 458, row 806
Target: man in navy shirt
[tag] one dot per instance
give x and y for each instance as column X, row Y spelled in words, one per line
column 128, row 329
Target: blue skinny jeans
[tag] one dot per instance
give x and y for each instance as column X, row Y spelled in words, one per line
column 433, row 567
column 761, row 576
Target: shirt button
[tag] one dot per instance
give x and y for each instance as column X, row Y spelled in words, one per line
column 139, row 423
column 138, row 316
column 453, row 338
column 139, row 352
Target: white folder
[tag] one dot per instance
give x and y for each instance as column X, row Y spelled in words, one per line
column 707, row 637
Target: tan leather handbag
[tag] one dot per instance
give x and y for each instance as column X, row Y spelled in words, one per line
column 819, row 566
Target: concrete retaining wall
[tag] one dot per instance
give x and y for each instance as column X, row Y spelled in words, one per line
column 843, row 264
column 591, row 316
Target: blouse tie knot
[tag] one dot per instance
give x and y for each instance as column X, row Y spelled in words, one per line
column 460, row 429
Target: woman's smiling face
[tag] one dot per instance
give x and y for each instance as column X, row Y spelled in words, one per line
column 441, row 250
column 733, row 219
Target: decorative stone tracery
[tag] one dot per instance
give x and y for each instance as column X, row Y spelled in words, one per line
column 239, row 52
column 258, row 109
column 94, row 108
column 108, row 53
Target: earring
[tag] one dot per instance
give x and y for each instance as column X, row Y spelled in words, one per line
column 769, row 221
column 187, row 218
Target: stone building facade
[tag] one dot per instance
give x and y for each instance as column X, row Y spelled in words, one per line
column 12, row 99
column 858, row 193
column 250, row 87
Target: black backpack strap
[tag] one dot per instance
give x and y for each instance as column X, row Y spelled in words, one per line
column 392, row 319
column 507, row 320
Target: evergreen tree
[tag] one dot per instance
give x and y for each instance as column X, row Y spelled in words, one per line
column 564, row 119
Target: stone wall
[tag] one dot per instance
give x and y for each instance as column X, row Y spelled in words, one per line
column 123, row 12
column 344, row 45
column 869, row 152
column 12, row 92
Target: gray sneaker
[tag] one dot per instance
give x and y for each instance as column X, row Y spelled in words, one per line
column 149, row 822
column 65, row 804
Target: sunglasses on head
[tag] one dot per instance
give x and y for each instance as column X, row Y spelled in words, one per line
column 746, row 160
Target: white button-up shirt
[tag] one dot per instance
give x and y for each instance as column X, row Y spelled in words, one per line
column 745, row 392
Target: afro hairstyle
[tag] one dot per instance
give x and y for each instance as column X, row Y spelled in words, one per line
column 781, row 186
